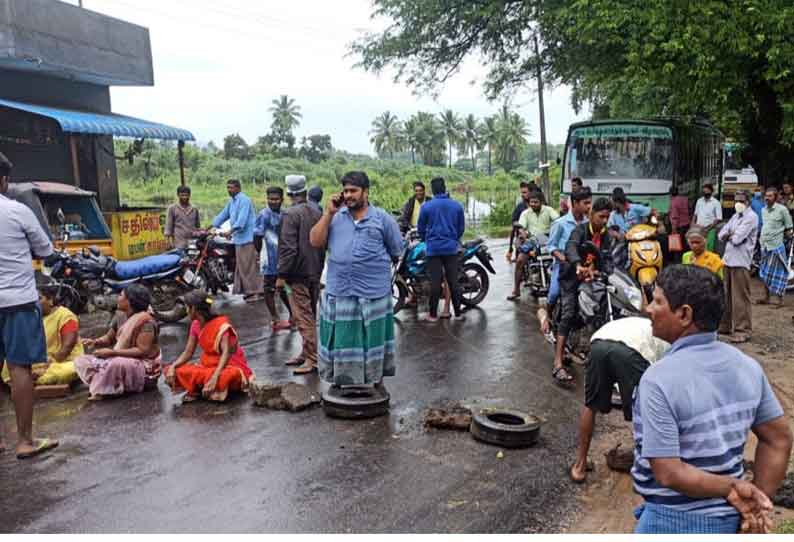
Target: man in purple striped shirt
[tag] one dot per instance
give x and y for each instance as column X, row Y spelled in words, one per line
column 693, row 411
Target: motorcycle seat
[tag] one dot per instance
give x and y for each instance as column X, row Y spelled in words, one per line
column 473, row 243
column 146, row 266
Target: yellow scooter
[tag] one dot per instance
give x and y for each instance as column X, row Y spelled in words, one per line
column 645, row 257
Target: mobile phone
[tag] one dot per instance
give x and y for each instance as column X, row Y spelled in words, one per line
column 338, row 199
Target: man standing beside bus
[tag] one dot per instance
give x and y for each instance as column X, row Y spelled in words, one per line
column 708, row 213
column 522, row 206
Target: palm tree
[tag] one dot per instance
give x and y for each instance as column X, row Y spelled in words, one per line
column 386, row 134
column 410, row 136
column 450, row 122
column 470, row 139
column 489, row 136
column 514, row 132
column 429, row 138
column 286, row 115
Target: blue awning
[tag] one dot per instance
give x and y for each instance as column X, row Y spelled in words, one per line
column 85, row 122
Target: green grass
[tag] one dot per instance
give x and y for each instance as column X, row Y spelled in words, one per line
column 153, row 181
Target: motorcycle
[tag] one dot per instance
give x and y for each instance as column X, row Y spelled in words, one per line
column 211, row 259
column 410, row 277
column 537, row 269
column 90, row 280
column 604, row 299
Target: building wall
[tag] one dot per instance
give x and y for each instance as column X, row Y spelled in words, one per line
column 53, row 91
column 62, row 40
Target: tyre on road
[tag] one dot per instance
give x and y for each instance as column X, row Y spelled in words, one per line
column 474, row 284
column 506, row 428
column 357, row 402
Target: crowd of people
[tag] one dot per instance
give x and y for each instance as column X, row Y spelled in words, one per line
column 693, row 398
column 692, row 413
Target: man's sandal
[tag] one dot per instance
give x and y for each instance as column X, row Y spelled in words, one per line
column 562, row 377
column 42, row 445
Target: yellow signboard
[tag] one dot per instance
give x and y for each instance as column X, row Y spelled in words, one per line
column 138, row 233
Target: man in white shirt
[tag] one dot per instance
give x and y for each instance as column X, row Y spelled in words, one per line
column 708, row 213
column 22, row 341
column 619, row 354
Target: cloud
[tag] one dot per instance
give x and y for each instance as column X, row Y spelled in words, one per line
column 219, row 65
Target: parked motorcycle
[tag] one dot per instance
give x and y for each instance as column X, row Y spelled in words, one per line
column 211, row 260
column 410, row 276
column 91, row 280
column 606, row 298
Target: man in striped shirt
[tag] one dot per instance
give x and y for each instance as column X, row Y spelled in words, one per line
column 693, row 411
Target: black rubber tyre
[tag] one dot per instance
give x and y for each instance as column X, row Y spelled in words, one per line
column 171, row 315
column 355, row 403
column 505, row 428
column 399, row 292
column 473, row 271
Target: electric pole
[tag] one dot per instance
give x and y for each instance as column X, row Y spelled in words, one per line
column 544, row 157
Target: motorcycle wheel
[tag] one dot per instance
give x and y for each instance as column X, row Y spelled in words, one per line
column 399, row 293
column 168, row 309
column 473, row 274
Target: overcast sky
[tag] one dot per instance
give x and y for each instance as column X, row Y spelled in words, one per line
column 217, row 66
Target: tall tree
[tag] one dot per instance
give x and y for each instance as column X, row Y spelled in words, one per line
column 410, row 136
column 430, row 139
column 286, row 117
column 234, row 146
column 490, row 136
column 450, row 123
column 386, row 134
column 513, row 133
column 470, row 139
column 729, row 60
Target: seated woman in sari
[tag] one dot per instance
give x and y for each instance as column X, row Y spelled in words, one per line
column 127, row 358
column 223, row 367
column 696, row 237
column 61, row 329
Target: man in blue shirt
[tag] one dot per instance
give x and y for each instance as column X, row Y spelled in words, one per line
column 441, row 225
column 693, row 411
column 356, row 313
column 266, row 230
column 241, row 215
column 625, row 215
column 560, row 233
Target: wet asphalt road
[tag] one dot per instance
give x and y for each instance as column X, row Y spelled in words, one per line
column 147, row 463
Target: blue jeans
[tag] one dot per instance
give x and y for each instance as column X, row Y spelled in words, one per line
column 659, row 519
column 554, row 285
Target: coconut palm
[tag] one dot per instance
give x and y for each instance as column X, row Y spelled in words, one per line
column 514, row 132
column 286, row 115
column 386, row 134
column 450, row 123
column 470, row 139
column 489, row 136
column 410, row 136
column 429, row 138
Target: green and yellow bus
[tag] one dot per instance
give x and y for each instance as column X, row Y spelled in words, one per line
column 646, row 158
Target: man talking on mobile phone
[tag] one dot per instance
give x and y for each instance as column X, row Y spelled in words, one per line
column 356, row 313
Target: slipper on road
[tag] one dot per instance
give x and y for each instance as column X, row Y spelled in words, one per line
column 42, row 445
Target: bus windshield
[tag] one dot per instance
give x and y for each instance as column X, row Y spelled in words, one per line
column 620, row 151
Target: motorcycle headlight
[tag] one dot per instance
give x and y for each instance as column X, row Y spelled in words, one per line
column 634, row 296
column 46, row 271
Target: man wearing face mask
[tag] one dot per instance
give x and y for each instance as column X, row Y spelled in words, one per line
column 739, row 235
column 708, row 213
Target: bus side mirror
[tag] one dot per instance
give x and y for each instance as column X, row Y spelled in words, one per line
column 559, row 161
column 60, row 216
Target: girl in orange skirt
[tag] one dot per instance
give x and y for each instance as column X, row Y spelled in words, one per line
column 223, row 367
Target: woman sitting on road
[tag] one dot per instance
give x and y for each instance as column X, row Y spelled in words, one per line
column 696, row 237
column 223, row 366
column 132, row 364
column 61, row 328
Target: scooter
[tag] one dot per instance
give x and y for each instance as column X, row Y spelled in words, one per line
column 410, row 276
column 645, row 257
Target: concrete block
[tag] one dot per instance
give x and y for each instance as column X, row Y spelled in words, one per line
column 52, row 392
column 290, row 396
